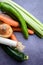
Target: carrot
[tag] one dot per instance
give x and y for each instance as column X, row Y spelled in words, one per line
column 30, row 31
column 13, row 37
column 8, row 20
column 19, row 30
column 16, row 29
column 1, row 22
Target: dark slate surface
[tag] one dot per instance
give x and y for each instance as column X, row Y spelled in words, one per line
column 34, row 45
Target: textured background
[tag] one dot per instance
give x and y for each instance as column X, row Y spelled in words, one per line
column 34, row 45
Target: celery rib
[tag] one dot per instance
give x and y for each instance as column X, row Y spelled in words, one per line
column 36, row 26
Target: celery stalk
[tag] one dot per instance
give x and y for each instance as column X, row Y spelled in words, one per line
column 29, row 19
column 33, row 25
column 30, row 15
column 27, row 13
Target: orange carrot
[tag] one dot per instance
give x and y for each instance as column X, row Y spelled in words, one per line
column 19, row 30
column 13, row 37
column 16, row 29
column 30, row 31
column 8, row 20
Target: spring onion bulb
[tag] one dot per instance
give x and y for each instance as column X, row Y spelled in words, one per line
column 12, row 43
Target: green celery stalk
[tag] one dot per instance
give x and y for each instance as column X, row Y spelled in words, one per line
column 30, row 15
column 30, row 22
column 27, row 13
